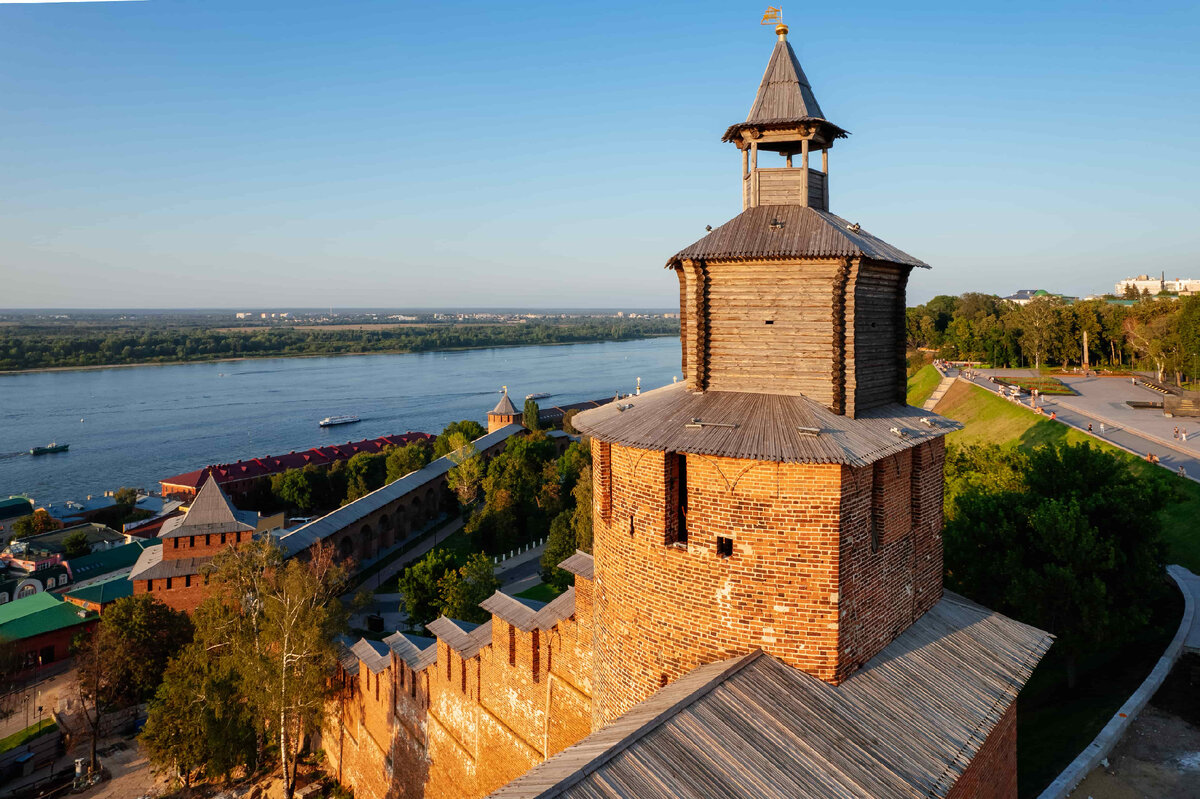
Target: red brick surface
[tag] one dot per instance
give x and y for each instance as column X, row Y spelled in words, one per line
column 993, row 772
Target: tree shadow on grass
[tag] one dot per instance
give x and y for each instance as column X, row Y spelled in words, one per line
column 1044, row 432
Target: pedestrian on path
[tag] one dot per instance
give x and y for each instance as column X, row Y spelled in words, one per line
column 1089, row 427
column 1176, row 432
column 1182, row 472
column 1102, row 427
column 1053, row 415
column 1183, row 435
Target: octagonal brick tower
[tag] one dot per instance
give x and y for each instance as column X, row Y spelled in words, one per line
column 783, row 496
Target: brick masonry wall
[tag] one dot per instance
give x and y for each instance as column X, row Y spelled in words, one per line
column 993, row 772
column 448, row 741
column 180, row 596
column 661, row 610
column 804, row 582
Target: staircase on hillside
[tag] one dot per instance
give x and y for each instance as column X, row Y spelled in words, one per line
column 938, row 393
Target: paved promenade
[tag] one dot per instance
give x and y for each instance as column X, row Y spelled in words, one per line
column 1101, row 401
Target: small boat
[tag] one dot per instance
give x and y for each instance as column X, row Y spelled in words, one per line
column 537, row 396
column 331, row 421
column 46, row 450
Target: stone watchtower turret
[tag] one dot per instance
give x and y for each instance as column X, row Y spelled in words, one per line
column 504, row 414
column 783, row 496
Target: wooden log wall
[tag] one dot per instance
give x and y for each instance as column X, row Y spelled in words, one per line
column 770, row 330
column 832, row 330
column 787, row 187
column 879, row 333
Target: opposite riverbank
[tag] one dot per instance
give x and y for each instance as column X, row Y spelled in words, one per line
column 296, row 356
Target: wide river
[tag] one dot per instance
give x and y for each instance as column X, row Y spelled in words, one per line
column 133, row 426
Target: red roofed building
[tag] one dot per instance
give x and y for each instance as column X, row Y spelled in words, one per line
column 238, row 479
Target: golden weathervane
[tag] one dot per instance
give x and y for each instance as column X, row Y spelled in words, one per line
column 772, row 16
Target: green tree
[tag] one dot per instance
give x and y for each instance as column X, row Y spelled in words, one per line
column 1065, row 538
column 407, row 459
column 122, row 661
column 581, row 517
column 76, row 545
column 198, row 719
column 530, row 416
column 126, row 496
column 365, row 472
column 278, row 623
column 560, row 545
column 469, row 428
column 461, row 590
column 297, row 488
column 34, row 524
column 466, row 476
column 419, row 585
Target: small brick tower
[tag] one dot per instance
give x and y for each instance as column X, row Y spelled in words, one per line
column 783, row 496
column 504, row 414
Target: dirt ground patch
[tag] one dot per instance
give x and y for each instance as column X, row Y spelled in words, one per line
column 1159, row 756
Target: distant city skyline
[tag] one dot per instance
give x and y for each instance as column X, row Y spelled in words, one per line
column 269, row 155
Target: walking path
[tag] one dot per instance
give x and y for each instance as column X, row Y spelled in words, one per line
column 1101, row 401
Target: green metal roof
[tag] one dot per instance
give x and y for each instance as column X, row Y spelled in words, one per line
column 108, row 560
column 13, row 507
column 39, row 614
column 104, row 591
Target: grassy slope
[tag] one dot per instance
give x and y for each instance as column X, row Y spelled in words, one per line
column 1053, row 724
column 989, row 419
column 922, row 384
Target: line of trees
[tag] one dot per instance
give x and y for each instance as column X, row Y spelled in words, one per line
column 1160, row 334
column 1064, row 537
column 34, row 347
column 525, row 493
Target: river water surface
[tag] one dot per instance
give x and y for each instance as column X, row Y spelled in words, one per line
column 135, row 425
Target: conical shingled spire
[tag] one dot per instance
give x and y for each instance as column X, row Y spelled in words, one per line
column 504, row 407
column 211, row 506
column 784, row 94
column 785, row 100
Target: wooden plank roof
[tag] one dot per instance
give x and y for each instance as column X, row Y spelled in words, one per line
column 785, row 97
column 211, row 511
column 463, row 637
column 581, row 564
column 906, row 725
column 769, row 427
column 790, row 231
column 375, row 655
column 415, row 650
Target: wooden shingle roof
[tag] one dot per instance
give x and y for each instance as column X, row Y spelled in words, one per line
column 785, row 97
column 210, row 512
column 791, row 231
column 504, row 407
column 906, row 725
column 767, row 427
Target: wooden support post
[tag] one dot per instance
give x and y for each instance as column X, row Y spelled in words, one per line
column 745, row 178
column 825, row 169
column 804, row 176
column 753, row 174
column 789, row 160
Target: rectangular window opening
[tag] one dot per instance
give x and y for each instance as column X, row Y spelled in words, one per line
column 512, row 645
column 169, row 582
column 724, row 547
column 464, row 675
column 537, row 666
column 677, row 527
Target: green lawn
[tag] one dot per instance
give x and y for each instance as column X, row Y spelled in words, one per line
column 26, row 735
column 540, row 593
column 1055, row 724
column 988, row 419
column 922, row 384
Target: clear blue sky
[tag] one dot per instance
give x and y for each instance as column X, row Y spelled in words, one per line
column 379, row 152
